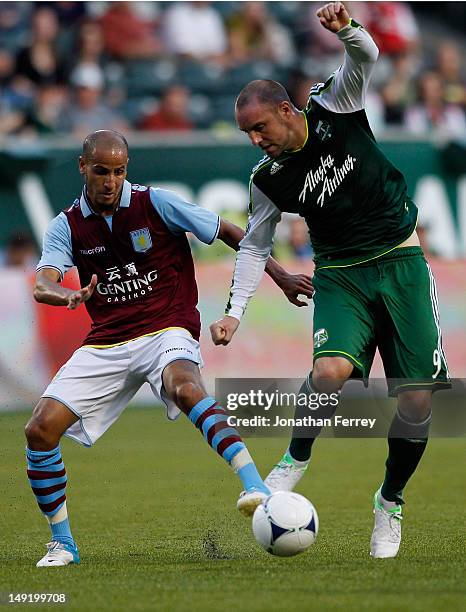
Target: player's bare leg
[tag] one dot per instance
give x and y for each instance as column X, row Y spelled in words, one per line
column 183, row 383
column 407, row 440
column 47, row 476
column 49, row 421
column 330, row 373
column 328, row 376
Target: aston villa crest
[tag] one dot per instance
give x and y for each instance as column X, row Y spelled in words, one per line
column 141, row 240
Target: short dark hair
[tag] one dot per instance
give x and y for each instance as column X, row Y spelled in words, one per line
column 102, row 138
column 265, row 91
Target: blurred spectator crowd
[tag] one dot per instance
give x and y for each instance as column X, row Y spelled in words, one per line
column 72, row 67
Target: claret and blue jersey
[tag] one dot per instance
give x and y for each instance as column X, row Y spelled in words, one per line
column 142, row 259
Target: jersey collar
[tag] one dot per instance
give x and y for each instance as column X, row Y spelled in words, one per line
column 125, row 200
column 307, row 135
column 300, row 148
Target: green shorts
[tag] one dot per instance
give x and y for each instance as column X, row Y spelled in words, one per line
column 389, row 303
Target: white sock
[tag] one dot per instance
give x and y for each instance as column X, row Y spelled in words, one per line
column 240, row 460
column 387, row 505
column 60, row 516
column 298, row 464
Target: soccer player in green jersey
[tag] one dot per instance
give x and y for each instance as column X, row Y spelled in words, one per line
column 373, row 287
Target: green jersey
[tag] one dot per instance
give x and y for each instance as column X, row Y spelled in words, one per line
column 353, row 199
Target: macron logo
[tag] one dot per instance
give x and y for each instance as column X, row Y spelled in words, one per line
column 94, row 251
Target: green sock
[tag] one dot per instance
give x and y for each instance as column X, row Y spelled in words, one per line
column 404, row 455
column 304, row 437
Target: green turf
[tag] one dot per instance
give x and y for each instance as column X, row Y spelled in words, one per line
column 153, row 511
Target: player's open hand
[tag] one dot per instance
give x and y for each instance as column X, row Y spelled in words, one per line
column 78, row 297
column 294, row 285
column 222, row 330
column 333, row 16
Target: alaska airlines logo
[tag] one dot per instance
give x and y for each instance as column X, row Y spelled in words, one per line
column 328, row 176
column 129, row 286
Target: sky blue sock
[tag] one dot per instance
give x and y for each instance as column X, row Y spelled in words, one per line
column 212, row 420
column 61, row 532
column 250, row 478
column 47, row 476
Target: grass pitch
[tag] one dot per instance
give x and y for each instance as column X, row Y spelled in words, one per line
column 153, row 511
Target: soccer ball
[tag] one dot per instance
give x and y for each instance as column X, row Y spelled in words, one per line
column 285, row 524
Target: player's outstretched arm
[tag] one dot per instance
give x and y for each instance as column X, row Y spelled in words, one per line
column 48, row 290
column 292, row 285
column 345, row 91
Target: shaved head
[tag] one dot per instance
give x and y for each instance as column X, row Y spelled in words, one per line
column 263, row 91
column 104, row 164
column 266, row 114
column 107, row 140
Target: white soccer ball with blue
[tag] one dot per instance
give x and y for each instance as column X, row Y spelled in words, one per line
column 285, row 524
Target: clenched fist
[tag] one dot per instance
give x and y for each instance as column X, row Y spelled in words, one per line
column 333, row 16
column 222, row 330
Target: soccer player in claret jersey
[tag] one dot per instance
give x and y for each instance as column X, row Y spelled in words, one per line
column 372, row 284
column 137, row 277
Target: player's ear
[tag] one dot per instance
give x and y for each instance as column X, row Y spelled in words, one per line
column 285, row 109
column 82, row 165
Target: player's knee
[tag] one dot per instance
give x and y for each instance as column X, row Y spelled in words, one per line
column 414, row 406
column 40, row 431
column 186, row 394
column 37, row 433
column 330, row 373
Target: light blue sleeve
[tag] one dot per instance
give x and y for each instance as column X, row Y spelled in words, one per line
column 181, row 216
column 57, row 251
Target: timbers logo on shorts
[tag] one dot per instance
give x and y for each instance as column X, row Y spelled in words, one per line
column 320, row 337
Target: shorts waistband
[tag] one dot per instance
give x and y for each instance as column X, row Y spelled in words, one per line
column 398, row 253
